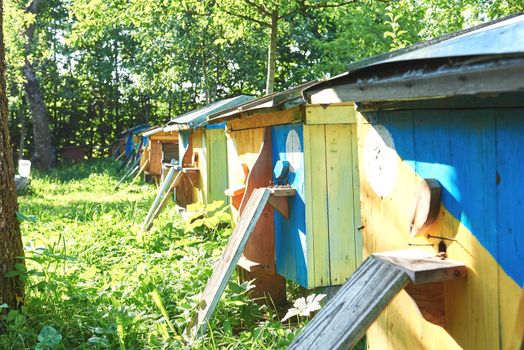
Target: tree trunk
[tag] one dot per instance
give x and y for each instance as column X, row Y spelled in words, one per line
column 11, row 289
column 272, row 53
column 44, row 153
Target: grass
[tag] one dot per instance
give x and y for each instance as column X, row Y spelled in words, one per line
column 94, row 282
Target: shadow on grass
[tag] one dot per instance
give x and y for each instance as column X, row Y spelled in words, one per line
column 68, row 172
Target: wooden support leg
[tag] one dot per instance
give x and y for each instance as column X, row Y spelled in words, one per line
column 141, row 171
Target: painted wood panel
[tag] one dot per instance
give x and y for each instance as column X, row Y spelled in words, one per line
column 510, row 207
column 155, row 158
column 341, row 208
column 199, row 161
column 317, row 226
column 331, row 114
column 290, row 234
column 216, row 159
column 470, row 154
column 242, row 151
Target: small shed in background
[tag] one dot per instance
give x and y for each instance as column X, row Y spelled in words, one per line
column 278, row 140
column 450, row 111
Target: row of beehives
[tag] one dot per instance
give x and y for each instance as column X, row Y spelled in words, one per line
column 356, row 149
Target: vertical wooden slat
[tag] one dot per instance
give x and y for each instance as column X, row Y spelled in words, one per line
column 317, row 226
column 155, row 158
column 355, row 184
column 216, row 158
column 340, row 202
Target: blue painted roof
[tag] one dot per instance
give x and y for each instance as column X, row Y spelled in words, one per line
column 198, row 117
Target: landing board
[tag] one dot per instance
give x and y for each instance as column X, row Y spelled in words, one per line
column 232, row 253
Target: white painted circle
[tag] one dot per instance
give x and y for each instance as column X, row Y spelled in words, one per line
column 380, row 160
column 294, row 154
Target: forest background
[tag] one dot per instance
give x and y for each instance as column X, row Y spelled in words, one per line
column 79, row 72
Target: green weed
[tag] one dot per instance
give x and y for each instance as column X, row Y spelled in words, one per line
column 94, row 283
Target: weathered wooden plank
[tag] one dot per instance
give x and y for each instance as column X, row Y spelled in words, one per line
column 331, row 114
column 283, row 191
column 340, row 206
column 316, row 206
column 423, row 267
column 165, row 199
column 344, row 320
column 225, row 266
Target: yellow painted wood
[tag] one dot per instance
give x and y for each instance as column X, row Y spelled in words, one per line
column 242, row 152
column 155, row 158
column 145, row 158
column 199, row 161
column 355, row 183
column 331, row 114
column 480, row 311
column 216, row 159
column 164, row 136
column 340, row 192
column 317, row 226
column 267, row 119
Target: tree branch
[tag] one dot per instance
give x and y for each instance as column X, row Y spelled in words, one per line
column 304, row 6
column 262, row 23
column 260, row 8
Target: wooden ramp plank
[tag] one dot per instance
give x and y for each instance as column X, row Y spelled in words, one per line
column 227, row 263
column 345, row 319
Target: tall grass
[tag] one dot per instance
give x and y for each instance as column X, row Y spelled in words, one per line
column 93, row 282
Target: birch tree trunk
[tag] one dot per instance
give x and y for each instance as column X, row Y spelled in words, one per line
column 11, row 289
column 44, row 152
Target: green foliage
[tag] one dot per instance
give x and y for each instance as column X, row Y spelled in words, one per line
column 93, row 284
column 104, row 66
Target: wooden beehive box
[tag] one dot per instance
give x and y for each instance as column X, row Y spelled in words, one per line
column 458, row 121
column 202, row 150
column 318, row 244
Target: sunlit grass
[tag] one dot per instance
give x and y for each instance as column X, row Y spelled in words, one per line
column 96, row 281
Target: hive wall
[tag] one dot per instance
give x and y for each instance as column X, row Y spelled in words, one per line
column 476, row 155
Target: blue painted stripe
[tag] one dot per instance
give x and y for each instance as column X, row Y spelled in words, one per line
column 290, row 252
column 477, row 156
column 216, row 126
